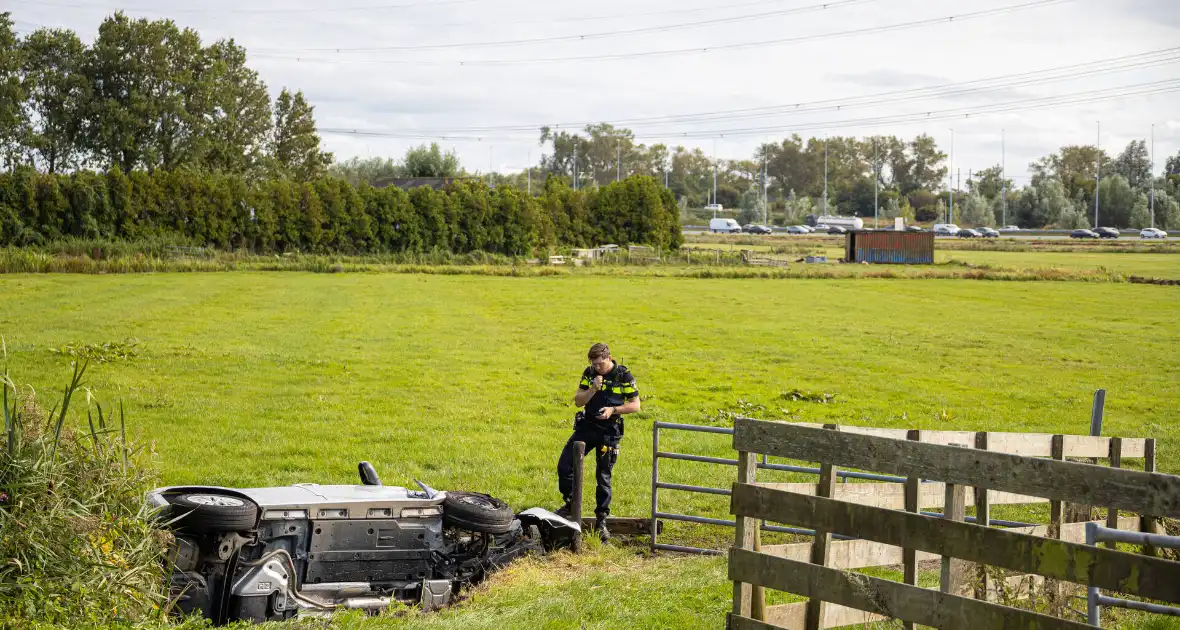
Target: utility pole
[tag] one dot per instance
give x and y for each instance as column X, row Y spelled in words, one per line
column 950, row 217
column 825, row 210
column 1003, row 177
column 875, row 178
column 575, row 173
column 766, row 189
column 1152, row 177
column 619, row 160
column 1097, row 169
column 714, row 174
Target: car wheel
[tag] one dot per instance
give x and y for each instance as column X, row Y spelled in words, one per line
column 209, row 512
column 476, row 512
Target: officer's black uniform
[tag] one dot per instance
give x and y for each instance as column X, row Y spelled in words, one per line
column 600, row 436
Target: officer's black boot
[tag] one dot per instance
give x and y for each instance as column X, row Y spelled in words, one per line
column 564, row 511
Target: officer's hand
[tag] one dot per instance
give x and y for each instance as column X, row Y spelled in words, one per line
column 597, row 384
column 605, row 413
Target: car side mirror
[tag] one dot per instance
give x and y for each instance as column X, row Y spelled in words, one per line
column 368, row 474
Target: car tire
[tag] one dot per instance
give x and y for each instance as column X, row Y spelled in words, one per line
column 210, row 512
column 477, row 512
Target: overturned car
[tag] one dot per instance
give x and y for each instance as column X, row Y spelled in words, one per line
column 265, row 554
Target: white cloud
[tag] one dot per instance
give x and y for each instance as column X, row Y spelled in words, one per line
column 429, row 90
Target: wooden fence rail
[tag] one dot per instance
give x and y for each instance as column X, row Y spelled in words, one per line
column 889, row 530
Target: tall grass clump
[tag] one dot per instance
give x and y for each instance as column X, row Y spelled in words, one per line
column 78, row 549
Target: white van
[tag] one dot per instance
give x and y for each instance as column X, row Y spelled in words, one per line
column 946, row 229
column 724, row 226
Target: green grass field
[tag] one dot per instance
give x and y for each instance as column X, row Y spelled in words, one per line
column 251, row 379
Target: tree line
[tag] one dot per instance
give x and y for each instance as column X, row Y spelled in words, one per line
column 147, row 95
column 329, row 215
column 148, row 132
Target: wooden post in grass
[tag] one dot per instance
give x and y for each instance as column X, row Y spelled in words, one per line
column 983, row 518
column 1116, row 461
column 1147, row 523
column 1053, row 588
column 746, row 537
column 576, row 499
column 823, row 541
column 909, row 555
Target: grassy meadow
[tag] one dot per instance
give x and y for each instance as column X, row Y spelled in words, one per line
column 465, row 382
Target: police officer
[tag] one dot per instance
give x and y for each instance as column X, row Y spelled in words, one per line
column 607, row 391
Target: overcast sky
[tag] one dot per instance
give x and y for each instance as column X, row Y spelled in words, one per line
column 402, row 87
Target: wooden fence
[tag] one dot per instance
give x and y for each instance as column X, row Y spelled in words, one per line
column 885, row 519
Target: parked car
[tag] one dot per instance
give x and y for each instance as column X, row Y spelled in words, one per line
column 1153, row 233
column 968, row 233
column 715, row 207
column 1107, row 232
column 836, row 229
column 754, row 228
column 265, row 554
column 989, row 232
column 1010, row 228
column 1083, row 234
column 820, row 227
column 946, row 229
column 914, row 228
column 724, row 226
column 798, row 229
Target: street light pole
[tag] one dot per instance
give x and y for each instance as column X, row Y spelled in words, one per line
column 875, row 178
column 950, row 217
column 1152, row 175
column 1003, row 177
column 825, row 210
column 714, row 174
column 1097, row 169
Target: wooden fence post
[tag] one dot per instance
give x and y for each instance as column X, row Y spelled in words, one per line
column 954, row 509
column 823, row 541
column 1148, row 523
column 910, row 556
column 1116, row 461
column 576, row 499
column 983, row 517
column 1053, row 588
column 747, row 530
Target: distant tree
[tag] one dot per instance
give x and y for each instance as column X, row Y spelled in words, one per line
column 1140, row 213
column 12, row 94
column 989, row 182
column 1134, row 164
column 977, row 211
column 239, row 120
column 1172, row 165
column 58, row 93
column 1073, row 218
column 371, row 170
column 1074, row 167
column 1115, row 200
column 927, row 168
column 295, row 144
column 424, row 161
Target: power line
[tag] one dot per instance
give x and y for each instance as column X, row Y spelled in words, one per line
column 223, row 11
column 587, row 36
column 1092, row 96
column 1141, row 89
column 484, row 23
column 696, row 50
column 1103, row 66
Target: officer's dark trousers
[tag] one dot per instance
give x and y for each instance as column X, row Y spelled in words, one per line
column 605, row 452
